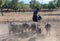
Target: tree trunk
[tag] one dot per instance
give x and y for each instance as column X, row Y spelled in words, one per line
column 7, row 9
column 2, row 12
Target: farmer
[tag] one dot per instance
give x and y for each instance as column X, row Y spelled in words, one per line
column 35, row 14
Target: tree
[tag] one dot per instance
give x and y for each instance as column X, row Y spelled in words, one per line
column 57, row 3
column 45, row 6
column 51, row 5
column 8, row 4
column 2, row 2
column 22, row 5
column 34, row 3
column 26, row 6
column 14, row 4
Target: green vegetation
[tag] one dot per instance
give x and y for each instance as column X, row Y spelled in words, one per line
column 2, row 2
column 51, row 5
column 34, row 3
column 15, row 5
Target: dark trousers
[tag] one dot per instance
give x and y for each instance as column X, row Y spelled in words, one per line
column 35, row 18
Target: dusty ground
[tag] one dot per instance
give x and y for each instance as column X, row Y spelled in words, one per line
column 15, row 16
column 53, row 36
column 26, row 16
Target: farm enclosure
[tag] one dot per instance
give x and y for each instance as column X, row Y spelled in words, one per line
column 54, row 20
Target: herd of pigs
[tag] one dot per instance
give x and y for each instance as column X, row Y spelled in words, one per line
column 27, row 27
column 21, row 28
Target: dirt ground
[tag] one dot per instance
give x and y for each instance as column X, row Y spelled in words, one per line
column 53, row 36
column 27, row 16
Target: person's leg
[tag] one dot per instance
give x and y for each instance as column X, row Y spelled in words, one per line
column 35, row 18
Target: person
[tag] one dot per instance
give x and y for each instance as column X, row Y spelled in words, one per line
column 35, row 14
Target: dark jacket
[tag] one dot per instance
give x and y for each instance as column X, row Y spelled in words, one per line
column 35, row 15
